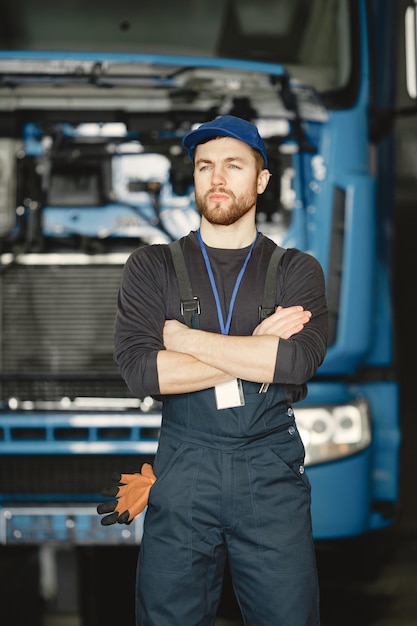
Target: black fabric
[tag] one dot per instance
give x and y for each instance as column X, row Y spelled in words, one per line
column 270, row 290
column 190, row 305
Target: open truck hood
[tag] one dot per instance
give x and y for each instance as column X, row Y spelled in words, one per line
column 202, row 87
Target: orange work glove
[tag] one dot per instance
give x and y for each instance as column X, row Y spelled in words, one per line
column 132, row 494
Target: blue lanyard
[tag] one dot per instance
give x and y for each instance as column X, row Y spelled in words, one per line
column 225, row 328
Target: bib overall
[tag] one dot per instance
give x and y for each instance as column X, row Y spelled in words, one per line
column 230, row 482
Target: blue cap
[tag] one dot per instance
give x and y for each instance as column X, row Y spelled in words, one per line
column 226, row 126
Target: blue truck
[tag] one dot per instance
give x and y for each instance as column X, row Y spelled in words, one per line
column 94, row 102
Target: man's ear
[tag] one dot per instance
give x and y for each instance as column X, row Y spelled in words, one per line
column 263, row 180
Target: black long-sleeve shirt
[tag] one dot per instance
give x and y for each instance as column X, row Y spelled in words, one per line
column 149, row 295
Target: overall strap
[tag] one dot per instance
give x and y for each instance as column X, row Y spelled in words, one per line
column 190, row 305
column 270, row 289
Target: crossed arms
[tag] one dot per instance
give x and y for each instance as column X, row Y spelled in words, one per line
column 195, row 359
column 159, row 357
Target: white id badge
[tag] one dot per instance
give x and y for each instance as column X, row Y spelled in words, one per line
column 230, row 394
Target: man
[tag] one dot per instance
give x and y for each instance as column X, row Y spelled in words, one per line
column 229, row 467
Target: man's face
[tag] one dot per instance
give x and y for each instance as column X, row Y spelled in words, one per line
column 226, row 180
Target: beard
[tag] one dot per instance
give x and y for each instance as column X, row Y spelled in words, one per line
column 222, row 214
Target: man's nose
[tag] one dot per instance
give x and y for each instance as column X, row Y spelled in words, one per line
column 217, row 176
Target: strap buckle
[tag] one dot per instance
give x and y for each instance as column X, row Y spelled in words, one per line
column 191, row 306
column 264, row 312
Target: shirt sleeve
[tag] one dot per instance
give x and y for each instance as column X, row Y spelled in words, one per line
column 140, row 319
column 302, row 283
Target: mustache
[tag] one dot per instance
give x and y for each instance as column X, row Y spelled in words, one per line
column 220, row 190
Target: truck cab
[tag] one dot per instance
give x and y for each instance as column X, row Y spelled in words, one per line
column 94, row 103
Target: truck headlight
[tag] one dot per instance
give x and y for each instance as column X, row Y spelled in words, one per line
column 333, row 432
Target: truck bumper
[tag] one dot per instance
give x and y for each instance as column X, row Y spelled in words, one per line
column 75, row 525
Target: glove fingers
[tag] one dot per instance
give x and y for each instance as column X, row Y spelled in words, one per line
column 132, row 492
column 109, row 519
column 110, row 492
column 106, row 507
column 124, row 518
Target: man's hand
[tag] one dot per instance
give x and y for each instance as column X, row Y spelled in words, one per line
column 174, row 335
column 284, row 323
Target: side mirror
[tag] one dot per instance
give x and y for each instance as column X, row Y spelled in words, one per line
column 411, row 48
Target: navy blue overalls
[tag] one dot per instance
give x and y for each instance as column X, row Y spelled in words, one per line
column 230, row 482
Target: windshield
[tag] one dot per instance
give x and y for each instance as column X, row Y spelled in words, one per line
column 313, row 38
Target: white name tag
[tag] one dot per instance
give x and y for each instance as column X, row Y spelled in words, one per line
column 230, row 394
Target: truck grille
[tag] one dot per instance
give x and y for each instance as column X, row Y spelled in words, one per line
column 57, row 316
column 61, row 475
